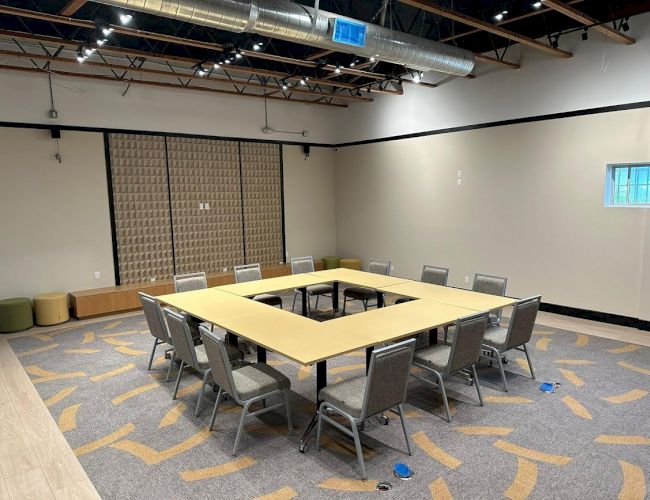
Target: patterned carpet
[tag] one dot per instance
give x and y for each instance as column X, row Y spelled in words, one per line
column 590, row 439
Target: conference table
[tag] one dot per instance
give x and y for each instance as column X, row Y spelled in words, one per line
column 309, row 342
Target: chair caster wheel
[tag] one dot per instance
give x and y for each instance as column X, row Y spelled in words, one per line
column 470, row 382
column 168, row 355
column 504, row 360
column 303, row 447
column 383, row 420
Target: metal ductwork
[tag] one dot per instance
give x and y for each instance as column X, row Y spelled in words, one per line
column 297, row 23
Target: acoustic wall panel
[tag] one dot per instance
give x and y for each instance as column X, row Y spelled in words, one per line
column 205, row 171
column 141, row 207
column 262, row 200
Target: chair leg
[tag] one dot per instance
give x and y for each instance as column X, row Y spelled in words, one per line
column 178, row 379
column 400, row 409
column 530, row 365
column 316, row 306
column 444, row 395
column 286, row 403
column 241, row 428
column 365, row 305
column 169, row 369
column 478, row 386
column 198, row 401
column 319, row 426
column 345, row 302
column 153, row 351
column 357, row 445
column 293, row 307
column 503, row 373
column 214, row 410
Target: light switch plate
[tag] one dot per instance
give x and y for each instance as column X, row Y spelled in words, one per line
column 98, row 275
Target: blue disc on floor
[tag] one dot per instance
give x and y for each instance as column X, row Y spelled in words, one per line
column 402, row 471
column 548, row 387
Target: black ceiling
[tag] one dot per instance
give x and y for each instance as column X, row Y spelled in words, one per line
column 400, row 16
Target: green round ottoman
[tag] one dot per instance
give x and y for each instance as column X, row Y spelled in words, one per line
column 330, row 262
column 15, row 315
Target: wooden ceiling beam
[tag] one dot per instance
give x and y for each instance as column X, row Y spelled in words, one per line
column 494, row 60
column 589, row 21
column 318, row 55
column 434, row 8
column 507, row 20
column 72, row 7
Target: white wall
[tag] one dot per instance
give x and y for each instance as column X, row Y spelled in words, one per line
column 600, row 73
column 530, row 208
column 81, row 102
column 309, row 195
column 55, row 220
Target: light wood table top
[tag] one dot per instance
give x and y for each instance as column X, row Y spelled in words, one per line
column 359, row 278
column 209, row 304
column 252, row 288
column 390, row 323
column 448, row 295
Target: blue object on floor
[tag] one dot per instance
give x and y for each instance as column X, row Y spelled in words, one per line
column 548, row 387
column 402, row 471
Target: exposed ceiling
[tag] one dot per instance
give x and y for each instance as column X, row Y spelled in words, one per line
column 44, row 36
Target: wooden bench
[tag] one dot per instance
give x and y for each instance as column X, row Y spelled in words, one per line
column 123, row 298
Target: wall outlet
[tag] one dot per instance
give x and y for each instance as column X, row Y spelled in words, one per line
column 460, row 182
column 98, row 275
column 201, row 206
column 392, row 269
column 207, row 206
column 225, row 269
column 466, row 279
column 460, row 174
column 153, row 279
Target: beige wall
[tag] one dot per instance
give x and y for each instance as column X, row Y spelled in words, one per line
column 54, row 220
column 530, row 207
column 309, row 196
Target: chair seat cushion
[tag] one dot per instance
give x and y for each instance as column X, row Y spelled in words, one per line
column 234, row 354
column 360, row 293
column 320, row 289
column 495, row 336
column 347, row 395
column 258, row 379
column 435, row 357
column 267, row 298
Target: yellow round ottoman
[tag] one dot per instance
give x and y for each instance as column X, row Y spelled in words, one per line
column 350, row 264
column 51, row 308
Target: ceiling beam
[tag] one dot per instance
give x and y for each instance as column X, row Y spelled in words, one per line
column 434, row 8
column 81, row 23
column 589, row 21
column 494, row 60
column 72, row 7
column 507, row 20
column 318, row 55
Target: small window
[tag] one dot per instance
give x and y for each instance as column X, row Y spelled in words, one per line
column 628, row 186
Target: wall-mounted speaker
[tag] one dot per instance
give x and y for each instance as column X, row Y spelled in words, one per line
column 306, row 148
column 56, row 133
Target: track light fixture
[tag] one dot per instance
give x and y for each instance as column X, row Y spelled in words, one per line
column 417, row 76
column 338, row 69
column 284, row 84
column 101, row 41
column 106, row 30
column 354, row 61
column 499, row 17
column 625, row 25
column 201, row 71
column 258, row 44
column 125, row 18
column 372, row 59
column 238, row 54
column 555, row 42
column 585, row 34
column 537, row 5
column 80, row 55
column 303, row 80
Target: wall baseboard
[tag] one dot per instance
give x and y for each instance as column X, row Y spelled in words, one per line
column 613, row 319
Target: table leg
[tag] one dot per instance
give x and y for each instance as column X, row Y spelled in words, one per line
column 335, row 296
column 261, row 354
column 305, row 311
column 433, row 336
column 380, row 299
column 368, row 356
column 232, row 339
column 321, row 382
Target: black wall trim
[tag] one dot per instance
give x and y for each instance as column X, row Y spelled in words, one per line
column 171, row 211
column 48, row 126
column 284, row 233
column 111, row 207
column 614, row 319
column 502, row 123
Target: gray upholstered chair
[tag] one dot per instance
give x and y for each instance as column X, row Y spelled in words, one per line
column 246, row 385
column 355, row 399
column 301, row 265
column 499, row 340
column 190, row 355
column 157, row 327
column 189, row 282
column 253, row 272
column 365, row 295
column 493, row 285
column 463, row 354
column 433, row 275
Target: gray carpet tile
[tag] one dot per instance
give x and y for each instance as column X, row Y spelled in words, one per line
column 577, row 441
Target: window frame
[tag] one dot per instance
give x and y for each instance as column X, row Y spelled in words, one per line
column 610, row 185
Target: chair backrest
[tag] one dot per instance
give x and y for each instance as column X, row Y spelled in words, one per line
column 301, row 265
column 181, row 337
column 466, row 346
column 522, row 321
column 189, row 282
column 155, row 319
column 248, row 272
column 379, row 266
column 388, row 376
column 435, row 275
column 493, row 285
column 220, row 367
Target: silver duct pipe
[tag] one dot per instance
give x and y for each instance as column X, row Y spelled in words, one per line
column 300, row 24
